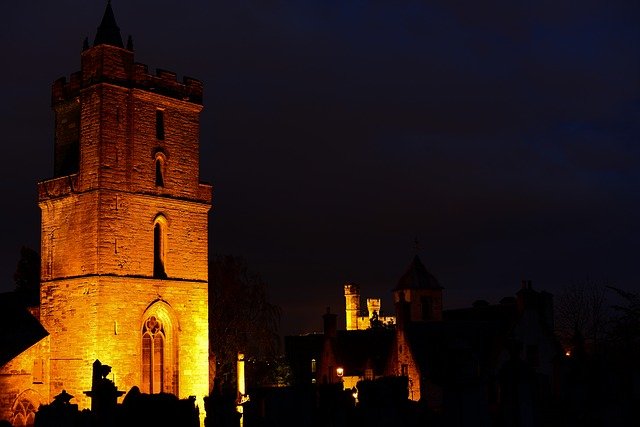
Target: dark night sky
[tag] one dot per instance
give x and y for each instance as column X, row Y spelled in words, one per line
column 502, row 134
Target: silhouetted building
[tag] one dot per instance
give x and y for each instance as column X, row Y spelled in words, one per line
column 351, row 356
column 483, row 365
column 24, row 353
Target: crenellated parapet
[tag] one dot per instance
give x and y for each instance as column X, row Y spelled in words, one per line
column 113, row 65
column 64, row 90
column 166, row 83
column 57, row 187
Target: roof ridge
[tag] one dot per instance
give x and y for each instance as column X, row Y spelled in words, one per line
column 416, row 276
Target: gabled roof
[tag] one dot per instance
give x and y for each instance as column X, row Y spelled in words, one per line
column 417, row 277
column 20, row 330
column 108, row 31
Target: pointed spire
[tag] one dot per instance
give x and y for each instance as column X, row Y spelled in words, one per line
column 417, row 277
column 85, row 44
column 108, row 31
column 130, row 43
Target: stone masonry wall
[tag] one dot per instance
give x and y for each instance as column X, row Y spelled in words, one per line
column 103, row 320
column 68, row 236
column 17, row 379
column 112, row 233
column 126, row 235
column 124, row 121
column 403, row 356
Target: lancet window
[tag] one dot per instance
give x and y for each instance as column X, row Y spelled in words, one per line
column 153, row 343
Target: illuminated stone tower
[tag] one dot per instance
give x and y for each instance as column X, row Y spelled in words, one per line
column 124, row 226
column 352, row 305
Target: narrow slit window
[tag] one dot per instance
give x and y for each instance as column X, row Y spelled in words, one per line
column 159, row 251
column 160, row 124
column 159, row 172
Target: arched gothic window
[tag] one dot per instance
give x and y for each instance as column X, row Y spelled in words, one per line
column 160, row 166
column 159, row 248
column 24, row 412
column 153, row 337
column 159, row 349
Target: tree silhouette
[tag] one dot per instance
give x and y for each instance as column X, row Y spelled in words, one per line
column 624, row 331
column 27, row 276
column 581, row 310
column 241, row 319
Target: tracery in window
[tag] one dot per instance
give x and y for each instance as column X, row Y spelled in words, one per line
column 153, row 337
column 24, row 412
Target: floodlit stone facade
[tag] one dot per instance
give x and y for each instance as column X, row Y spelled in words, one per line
column 355, row 320
column 124, row 231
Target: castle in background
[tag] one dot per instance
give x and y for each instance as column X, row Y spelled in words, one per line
column 124, row 240
column 356, row 320
column 416, row 286
column 468, row 366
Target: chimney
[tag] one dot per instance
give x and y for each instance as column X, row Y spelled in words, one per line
column 330, row 324
column 527, row 298
column 546, row 309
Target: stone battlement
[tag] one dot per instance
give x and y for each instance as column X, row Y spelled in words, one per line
column 130, row 75
column 352, row 289
column 57, row 187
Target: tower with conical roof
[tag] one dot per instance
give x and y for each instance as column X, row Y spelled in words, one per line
column 124, row 226
column 420, row 291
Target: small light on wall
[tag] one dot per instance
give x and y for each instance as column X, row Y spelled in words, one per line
column 340, row 372
column 567, row 353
